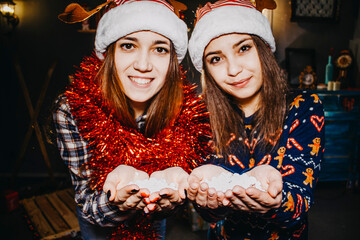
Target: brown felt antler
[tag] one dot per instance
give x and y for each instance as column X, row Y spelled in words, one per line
column 265, row 4
column 75, row 13
column 178, row 6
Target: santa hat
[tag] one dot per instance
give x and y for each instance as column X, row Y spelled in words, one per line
column 138, row 15
column 224, row 17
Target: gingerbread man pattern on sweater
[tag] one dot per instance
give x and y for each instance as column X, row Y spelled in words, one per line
column 297, row 155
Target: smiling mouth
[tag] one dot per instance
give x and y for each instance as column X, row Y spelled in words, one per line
column 141, row 81
column 241, row 82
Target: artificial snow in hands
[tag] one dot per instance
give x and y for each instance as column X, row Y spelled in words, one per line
column 226, row 181
column 154, row 184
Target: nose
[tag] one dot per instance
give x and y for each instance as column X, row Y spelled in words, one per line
column 142, row 62
column 234, row 67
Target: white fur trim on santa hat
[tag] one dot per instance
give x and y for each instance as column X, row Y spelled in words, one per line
column 226, row 20
column 139, row 16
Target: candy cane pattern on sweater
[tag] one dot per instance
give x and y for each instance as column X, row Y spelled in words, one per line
column 266, row 157
column 292, row 170
column 298, row 206
column 294, row 125
column 252, row 145
column 321, row 120
column 237, row 161
column 295, row 143
column 232, row 138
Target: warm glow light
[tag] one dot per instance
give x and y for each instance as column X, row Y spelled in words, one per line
column 7, row 10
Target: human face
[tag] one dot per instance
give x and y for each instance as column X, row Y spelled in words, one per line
column 233, row 62
column 142, row 62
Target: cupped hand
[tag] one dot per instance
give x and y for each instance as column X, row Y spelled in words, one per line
column 130, row 197
column 175, row 175
column 199, row 192
column 120, row 177
column 255, row 200
column 168, row 198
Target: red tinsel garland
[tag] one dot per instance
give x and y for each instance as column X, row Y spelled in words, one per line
column 182, row 144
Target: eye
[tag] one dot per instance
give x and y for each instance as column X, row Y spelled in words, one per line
column 161, row 50
column 215, row 59
column 127, row 46
column 244, row 48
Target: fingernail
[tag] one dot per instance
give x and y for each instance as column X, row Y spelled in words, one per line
column 211, row 193
column 144, row 194
column 134, row 190
column 151, row 208
column 147, row 201
column 108, row 194
column 155, row 199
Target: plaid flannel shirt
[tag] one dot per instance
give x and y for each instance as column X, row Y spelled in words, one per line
column 94, row 205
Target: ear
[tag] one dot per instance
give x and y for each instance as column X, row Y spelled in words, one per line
column 75, row 13
column 262, row 4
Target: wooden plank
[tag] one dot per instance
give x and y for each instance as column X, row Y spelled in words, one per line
column 71, row 192
column 65, row 212
column 37, row 218
column 61, row 235
column 51, row 214
column 67, row 199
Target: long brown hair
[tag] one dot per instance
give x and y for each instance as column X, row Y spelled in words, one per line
column 268, row 119
column 164, row 105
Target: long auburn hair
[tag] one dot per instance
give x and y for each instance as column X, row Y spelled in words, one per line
column 164, row 105
column 268, row 119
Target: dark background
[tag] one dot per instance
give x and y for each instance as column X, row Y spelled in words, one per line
column 40, row 39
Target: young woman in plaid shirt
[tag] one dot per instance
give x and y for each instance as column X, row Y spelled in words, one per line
column 129, row 115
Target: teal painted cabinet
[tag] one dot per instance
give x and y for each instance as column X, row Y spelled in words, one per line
column 342, row 136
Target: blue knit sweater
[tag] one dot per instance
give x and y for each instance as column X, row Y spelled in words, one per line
column 297, row 155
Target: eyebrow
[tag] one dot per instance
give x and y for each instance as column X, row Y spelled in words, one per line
column 241, row 41
column 234, row 46
column 161, row 42
column 154, row 42
column 211, row 53
column 131, row 39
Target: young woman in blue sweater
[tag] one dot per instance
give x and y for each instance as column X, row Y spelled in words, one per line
column 258, row 125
